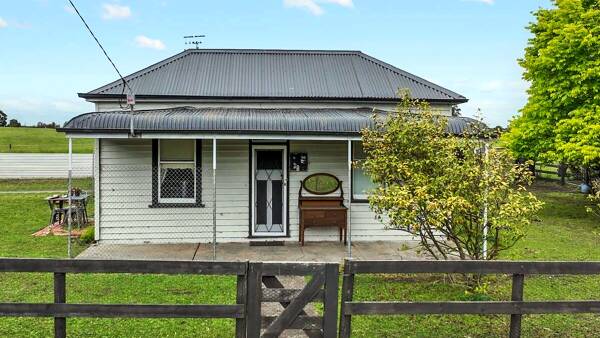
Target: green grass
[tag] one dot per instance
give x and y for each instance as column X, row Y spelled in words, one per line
column 40, row 140
column 564, row 232
column 51, row 184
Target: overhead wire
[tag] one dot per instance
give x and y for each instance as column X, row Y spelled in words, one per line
column 125, row 84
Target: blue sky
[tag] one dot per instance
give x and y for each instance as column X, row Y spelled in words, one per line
column 469, row 46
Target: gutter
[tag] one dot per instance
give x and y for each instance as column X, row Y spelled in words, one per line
column 92, row 96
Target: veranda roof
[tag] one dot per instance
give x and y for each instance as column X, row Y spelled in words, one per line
column 305, row 121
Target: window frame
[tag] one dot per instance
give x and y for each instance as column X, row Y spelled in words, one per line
column 157, row 201
column 355, row 198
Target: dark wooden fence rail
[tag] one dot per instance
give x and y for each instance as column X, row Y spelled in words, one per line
column 516, row 307
column 322, row 287
column 560, row 171
column 61, row 310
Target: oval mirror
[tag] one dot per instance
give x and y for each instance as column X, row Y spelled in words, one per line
column 321, row 184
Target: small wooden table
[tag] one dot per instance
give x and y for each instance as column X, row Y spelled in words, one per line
column 317, row 211
column 78, row 206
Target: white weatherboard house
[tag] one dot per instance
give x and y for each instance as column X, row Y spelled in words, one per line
column 262, row 109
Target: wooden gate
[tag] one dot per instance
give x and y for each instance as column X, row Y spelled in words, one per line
column 264, row 286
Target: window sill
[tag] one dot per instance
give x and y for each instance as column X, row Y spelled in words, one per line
column 176, row 205
column 359, row 200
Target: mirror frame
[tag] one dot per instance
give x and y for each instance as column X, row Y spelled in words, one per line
column 321, row 193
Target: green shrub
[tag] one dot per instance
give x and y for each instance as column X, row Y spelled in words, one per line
column 87, row 236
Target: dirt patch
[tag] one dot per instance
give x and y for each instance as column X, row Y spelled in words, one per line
column 542, row 185
column 57, row 229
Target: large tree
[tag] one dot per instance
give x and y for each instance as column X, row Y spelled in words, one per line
column 433, row 184
column 561, row 120
column 3, row 118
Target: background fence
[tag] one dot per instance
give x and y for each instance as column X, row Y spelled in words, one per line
column 565, row 173
column 44, row 165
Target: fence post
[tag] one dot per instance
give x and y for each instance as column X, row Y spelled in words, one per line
column 562, row 172
column 517, row 296
column 241, row 297
column 330, row 303
column 254, row 299
column 347, row 291
column 60, row 297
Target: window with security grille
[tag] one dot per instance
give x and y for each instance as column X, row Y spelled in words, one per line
column 177, row 171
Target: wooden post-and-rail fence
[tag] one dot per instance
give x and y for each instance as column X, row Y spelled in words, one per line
column 250, row 294
column 516, row 307
column 257, row 283
column 61, row 310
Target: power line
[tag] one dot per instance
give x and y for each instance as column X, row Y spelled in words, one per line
column 125, row 84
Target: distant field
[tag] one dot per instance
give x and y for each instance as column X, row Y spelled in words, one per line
column 39, row 140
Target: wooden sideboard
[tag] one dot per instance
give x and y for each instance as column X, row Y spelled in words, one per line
column 317, row 211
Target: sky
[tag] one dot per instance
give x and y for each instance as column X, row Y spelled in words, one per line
column 468, row 46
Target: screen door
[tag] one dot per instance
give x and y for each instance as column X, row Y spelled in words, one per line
column 269, row 193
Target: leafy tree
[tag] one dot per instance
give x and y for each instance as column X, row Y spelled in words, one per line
column 432, row 184
column 14, row 123
column 561, row 120
column 2, row 119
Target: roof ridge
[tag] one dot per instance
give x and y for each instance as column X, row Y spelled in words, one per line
column 274, row 51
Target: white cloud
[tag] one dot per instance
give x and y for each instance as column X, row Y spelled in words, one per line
column 146, row 42
column 309, row 5
column 313, row 5
column 487, row 2
column 69, row 9
column 344, row 3
column 3, row 23
column 48, row 109
column 115, row 11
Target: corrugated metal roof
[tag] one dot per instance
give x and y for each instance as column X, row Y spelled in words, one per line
column 238, row 120
column 291, row 74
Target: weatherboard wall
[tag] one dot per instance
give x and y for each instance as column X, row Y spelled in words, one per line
column 125, row 190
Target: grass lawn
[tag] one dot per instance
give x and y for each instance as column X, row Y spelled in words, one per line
column 51, row 184
column 564, row 232
column 40, row 140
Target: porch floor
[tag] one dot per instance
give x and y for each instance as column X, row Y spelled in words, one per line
column 291, row 251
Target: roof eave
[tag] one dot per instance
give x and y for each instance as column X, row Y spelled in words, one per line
column 90, row 96
column 215, row 132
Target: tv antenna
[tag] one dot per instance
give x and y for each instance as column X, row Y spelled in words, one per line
column 194, row 40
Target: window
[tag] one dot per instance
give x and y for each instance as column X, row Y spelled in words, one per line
column 361, row 182
column 176, row 173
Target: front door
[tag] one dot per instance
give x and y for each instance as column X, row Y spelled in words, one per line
column 269, row 190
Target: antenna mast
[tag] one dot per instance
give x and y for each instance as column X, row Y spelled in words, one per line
column 194, row 40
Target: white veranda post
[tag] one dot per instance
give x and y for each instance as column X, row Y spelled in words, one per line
column 214, row 195
column 69, row 187
column 485, row 202
column 349, row 194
